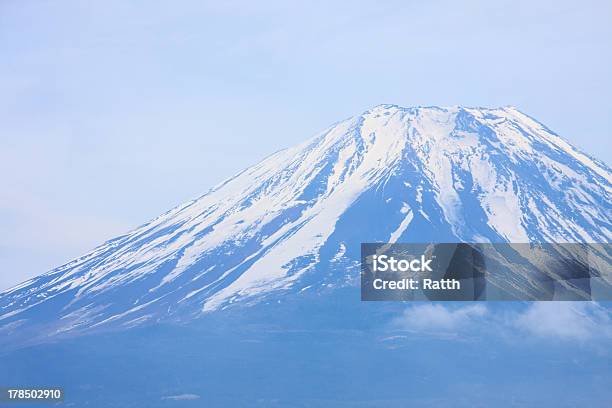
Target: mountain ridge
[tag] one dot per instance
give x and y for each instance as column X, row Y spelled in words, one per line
column 292, row 222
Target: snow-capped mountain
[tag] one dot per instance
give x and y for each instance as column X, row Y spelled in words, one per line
column 293, row 223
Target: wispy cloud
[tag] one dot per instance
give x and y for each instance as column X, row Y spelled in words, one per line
column 182, row 397
column 439, row 318
column 565, row 320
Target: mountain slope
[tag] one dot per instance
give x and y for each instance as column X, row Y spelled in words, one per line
column 293, row 222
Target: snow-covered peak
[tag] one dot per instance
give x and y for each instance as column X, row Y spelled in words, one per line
column 294, row 221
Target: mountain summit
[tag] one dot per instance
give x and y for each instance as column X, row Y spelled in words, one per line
column 292, row 224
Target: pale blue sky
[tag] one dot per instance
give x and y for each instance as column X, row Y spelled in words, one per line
column 112, row 113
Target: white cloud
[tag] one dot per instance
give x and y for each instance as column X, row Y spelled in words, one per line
column 436, row 317
column 182, row 397
column 565, row 320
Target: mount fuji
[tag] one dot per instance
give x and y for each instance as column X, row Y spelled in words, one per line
column 290, row 226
